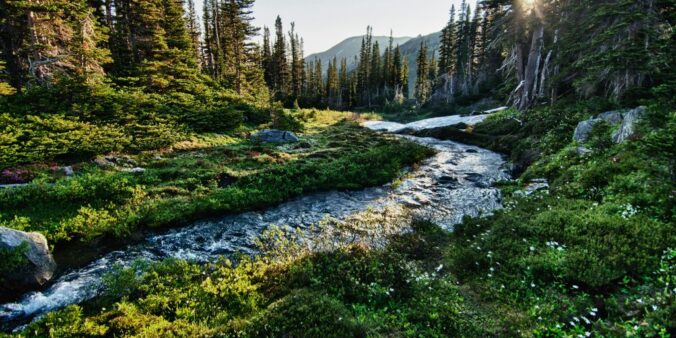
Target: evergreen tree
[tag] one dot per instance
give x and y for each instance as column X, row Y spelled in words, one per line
column 448, row 46
column 375, row 73
column 423, row 87
column 281, row 75
column 333, row 84
column 297, row 63
column 193, row 29
column 345, row 98
column 267, row 60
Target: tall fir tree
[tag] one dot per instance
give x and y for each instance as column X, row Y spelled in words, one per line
column 281, row 74
column 423, row 86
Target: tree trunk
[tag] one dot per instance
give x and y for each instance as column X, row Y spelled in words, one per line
column 530, row 73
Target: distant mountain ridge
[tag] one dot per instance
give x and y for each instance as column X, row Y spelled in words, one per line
column 349, row 48
column 410, row 47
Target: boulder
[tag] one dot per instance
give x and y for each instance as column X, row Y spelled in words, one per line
column 628, row 127
column 626, row 119
column 275, row 136
column 136, row 170
column 39, row 265
column 583, row 151
column 68, row 171
column 583, row 130
column 533, row 186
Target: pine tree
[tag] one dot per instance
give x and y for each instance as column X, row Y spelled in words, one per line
column 193, row 29
column 448, row 46
column 388, row 68
column 319, row 83
column 344, row 99
column 281, row 75
column 267, row 60
column 375, row 72
column 333, row 84
column 423, row 86
column 209, row 46
column 297, row 63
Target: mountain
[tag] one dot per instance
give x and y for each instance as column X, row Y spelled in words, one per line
column 350, row 47
column 410, row 50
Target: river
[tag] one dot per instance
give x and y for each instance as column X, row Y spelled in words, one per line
column 457, row 182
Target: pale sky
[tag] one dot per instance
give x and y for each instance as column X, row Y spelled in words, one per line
column 324, row 23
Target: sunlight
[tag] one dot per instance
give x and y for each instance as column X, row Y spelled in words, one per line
column 528, row 4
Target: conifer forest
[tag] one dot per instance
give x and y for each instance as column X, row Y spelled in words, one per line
column 181, row 168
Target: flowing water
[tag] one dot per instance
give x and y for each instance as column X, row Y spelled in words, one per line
column 457, row 182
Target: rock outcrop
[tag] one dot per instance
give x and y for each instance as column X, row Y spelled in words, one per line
column 626, row 120
column 38, row 267
column 274, row 136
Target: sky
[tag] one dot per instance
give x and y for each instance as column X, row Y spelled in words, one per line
column 324, row 23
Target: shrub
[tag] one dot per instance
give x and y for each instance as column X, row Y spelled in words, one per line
column 305, row 313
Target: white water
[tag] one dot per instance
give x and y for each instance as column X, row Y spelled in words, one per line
column 457, row 182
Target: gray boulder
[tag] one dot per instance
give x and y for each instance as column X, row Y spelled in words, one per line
column 628, row 127
column 39, row 264
column 584, row 129
column 627, row 120
column 275, row 136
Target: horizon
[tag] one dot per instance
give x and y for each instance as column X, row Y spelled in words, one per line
column 323, row 23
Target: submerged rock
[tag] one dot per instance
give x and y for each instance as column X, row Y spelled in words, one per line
column 38, row 267
column 275, row 136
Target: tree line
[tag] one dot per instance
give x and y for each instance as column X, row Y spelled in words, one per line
column 374, row 78
column 525, row 52
column 160, row 45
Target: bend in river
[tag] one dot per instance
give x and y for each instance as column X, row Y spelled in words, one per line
column 457, row 182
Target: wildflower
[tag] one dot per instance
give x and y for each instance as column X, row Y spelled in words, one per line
column 654, row 307
column 438, row 269
column 532, row 248
column 532, row 285
column 587, row 334
column 587, row 321
column 575, row 287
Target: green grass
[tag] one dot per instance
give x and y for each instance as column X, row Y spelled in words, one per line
column 593, row 256
column 205, row 175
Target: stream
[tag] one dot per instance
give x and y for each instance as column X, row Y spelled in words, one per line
column 457, row 182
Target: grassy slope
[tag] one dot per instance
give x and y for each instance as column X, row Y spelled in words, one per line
column 210, row 174
column 595, row 255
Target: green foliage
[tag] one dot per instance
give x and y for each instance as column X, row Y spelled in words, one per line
column 185, row 185
column 12, row 259
column 305, row 313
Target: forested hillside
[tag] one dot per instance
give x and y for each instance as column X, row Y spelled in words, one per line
column 349, row 49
